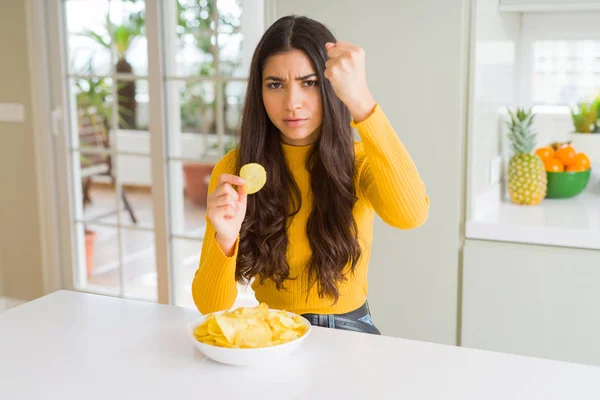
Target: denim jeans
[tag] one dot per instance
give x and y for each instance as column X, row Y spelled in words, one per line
column 359, row 320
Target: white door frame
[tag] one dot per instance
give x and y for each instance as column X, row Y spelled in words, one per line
column 158, row 153
column 47, row 130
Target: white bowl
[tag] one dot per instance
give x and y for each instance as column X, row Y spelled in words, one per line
column 252, row 356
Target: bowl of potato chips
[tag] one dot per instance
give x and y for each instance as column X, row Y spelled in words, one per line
column 249, row 335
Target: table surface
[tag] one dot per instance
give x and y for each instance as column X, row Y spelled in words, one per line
column 71, row 345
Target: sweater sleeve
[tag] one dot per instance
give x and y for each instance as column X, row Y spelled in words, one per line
column 214, row 287
column 388, row 176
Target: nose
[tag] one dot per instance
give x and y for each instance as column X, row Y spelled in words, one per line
column 293, row 98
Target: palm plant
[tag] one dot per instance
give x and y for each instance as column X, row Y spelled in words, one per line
column 123, row 37
column 585, row 117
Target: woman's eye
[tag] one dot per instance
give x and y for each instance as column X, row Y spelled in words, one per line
column 274, row 85
column 311, row 83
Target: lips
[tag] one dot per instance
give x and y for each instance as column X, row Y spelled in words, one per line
column 295, row 122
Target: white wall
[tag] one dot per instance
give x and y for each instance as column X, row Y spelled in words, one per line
column 21, row 256
column 552, row 127
column 416, row 66
column 1, row 273
column 494, row 74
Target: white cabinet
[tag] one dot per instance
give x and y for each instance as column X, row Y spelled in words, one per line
column 548, row 5
column 539, row 301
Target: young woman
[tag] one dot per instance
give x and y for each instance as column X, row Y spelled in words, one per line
column 306, row 235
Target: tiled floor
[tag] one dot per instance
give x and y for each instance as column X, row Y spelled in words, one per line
column 139, row 265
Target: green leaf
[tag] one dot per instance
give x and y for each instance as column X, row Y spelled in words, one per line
column 96, row 38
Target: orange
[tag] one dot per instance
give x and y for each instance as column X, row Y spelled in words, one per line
column 545, row 153
column 582, row 160
column 554, row 165
column 566, row 155
column 576, row 168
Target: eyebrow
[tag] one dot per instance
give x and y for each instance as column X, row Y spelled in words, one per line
column 301, row 78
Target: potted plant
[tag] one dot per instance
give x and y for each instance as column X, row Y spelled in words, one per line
column 123, row 36
column 197, row 176
column 586, row 133
column 90, row 246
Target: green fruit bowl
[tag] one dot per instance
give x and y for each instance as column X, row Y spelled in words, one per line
column 562, row 185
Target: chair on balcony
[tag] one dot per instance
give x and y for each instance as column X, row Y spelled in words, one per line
column 94, row 133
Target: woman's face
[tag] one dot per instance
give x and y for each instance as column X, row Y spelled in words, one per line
column 292, row 97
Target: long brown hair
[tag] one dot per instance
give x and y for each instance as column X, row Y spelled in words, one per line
column 331, row 228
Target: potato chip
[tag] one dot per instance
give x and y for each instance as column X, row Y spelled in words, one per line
column 255, row 176
column 289, row 335
column 262, row 310
column 222, row 342
column 287, row 321
column 256, row 335
column 201, row 330
column 229, row 326
column 213, row 327
column 250, row 327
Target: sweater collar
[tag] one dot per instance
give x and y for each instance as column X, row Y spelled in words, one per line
column 296, row 155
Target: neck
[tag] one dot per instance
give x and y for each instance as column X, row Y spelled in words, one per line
column 295, row 154
column 310, row 139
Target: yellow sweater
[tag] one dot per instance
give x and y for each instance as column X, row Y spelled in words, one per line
column 387, row 183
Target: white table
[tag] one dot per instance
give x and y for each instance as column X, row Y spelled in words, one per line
column 72, row 345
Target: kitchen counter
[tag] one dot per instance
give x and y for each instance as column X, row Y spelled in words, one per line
column 573, row 222
column 71, row 345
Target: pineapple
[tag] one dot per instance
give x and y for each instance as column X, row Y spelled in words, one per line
column 526, row 173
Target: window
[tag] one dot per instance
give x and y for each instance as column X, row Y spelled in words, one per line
column 565, row 72
column 561, row 58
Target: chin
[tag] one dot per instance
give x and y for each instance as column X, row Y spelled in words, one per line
column 296, row 135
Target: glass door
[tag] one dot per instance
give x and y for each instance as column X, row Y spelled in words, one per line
column 151, row 94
